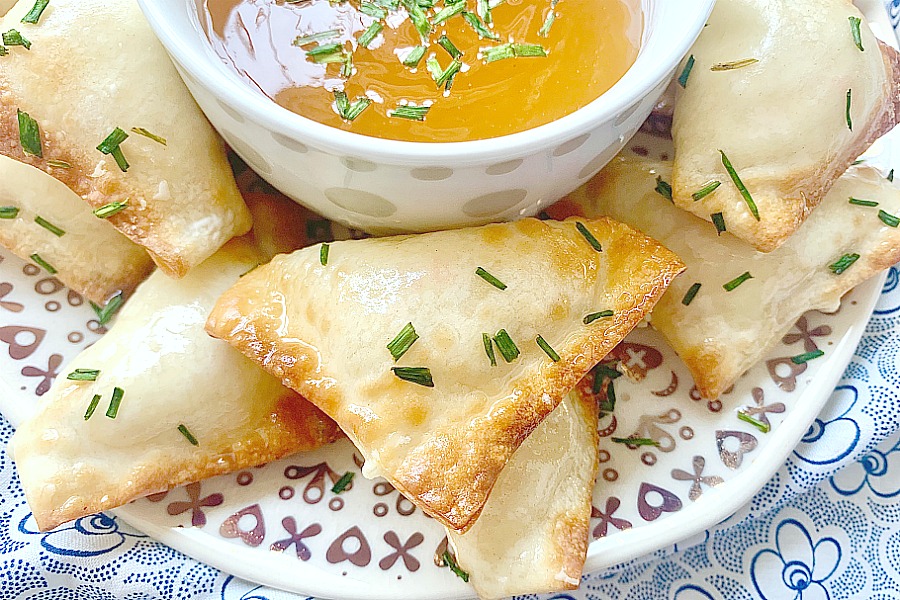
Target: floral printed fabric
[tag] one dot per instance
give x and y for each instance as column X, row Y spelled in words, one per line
column 827, row 526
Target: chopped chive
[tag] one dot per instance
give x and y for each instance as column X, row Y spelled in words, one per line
column 806, row 357
column 115, row 402
column 603, row 314
column 9, row 212
column 736, row 64
column 718, row 220
column 29, row 134
column 763, row 427
column 58, row 164
column 448, row 12
column 106, row 312
column 323, row 254
column 506, row 346
column 372, row 9
column 417, row 375
column 890, row 176
column 544, row 31
column 403, row 341
column 610, row 404
column 417, row 16
column 511, row 50
column 346, row 64
column 547, row 348
column 529, row 50
column 706, row 190
column 446, row 77
column 325, row 50
column 109, row 209
column 663, row 188
column 434, row 68
column 156, row 138
column 479, row 27
column 859, row 202
column 357, row 108
column 632, row 441
column 849, row 103
column 484, row 11
column 888, row 219
column 736, row 179
column 691, row 294
column 187, row 433
column 490, row 278
column 855, row 22
column 343, row 483
column 843, row 263
column 606, row 371
column 737, row 281
column 370, row 34
column 686, row 72
column 415, row 55
column 583, row 230
column 445, row 43
column 112, row 141
column 320, row 36
column 34, row 15
column 412, row 113
column 36, row 258
column 83, row 375
column 858, row 161
column 92, row 407
column 14, row 38
column 49, row 226
column 120, row 159
column 451, row 563
column 489, row 348
column 3, row 51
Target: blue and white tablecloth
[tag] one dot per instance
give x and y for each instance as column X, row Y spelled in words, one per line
column 827, row 526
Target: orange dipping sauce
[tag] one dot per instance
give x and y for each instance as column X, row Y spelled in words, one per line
column 589, row 45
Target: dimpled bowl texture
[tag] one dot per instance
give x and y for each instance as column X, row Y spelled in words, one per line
column 383, row 186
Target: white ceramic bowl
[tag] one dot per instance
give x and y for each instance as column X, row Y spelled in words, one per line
column 387, row 186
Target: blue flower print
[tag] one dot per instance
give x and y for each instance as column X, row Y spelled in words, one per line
column 88, row 536
column 879, row 470
column 692, row 592
column 803, row 565
column 833, row 435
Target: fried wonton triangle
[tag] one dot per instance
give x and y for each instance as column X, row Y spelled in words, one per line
column 172, row 374
column 324, row 330
column 719, row 333
column 532, row 535
column 89, row 68
column 781, row 89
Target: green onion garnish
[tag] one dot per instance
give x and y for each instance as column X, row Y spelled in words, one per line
column 890, row 176
column 859, row 202
column 479, row 27
column 763, row 427
column 187, row 433
column 606, row 371
column 855, row 22
column 706, row 190
column 34, row 15
column 156, row 138
column 806, row 357
column 92, row 407
column 506, row 346
column 325, row 50
column 633, row 441
column 415, row 55
column 36, row 258
column 115, row 402
column 120, row 159
column 511, row 50
column 109, row 209
column 663, row 188
column 490, row 278
column 417, row 16
column 106, row 312
column 112, row 141
column 843, row 263
column 547, row 348
column 342, row 483
column 434, row 68
column 489, row 348
column 603, row 314
column 888, row 219
column 448, row 560
column 83, row 375
column 734, row 283
column 735, row 178
column 323, row 254
column 9, row 212
column 583, row 230
column 718, row 220
column 849, row 102
column 49, row 226
column 403, row 341
column 610, row 404
column 347, row 110
column 14, row 38
column 59, row 164
column 370, row 34
column 417, row 375
column 445, row 43
column 412, row 113
column 29, row 134
column 484, row 11
column 448, row 12
column 446, row 77
column 686, row 72
column 544, row 31
column 736, row 64
column 691, row 294
column 371, row 9
column 320, row 36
